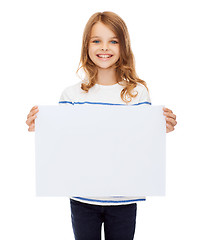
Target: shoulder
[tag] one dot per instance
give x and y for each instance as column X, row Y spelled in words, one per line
column 72, row 88
column 143, row 93
column 140, row 87
column 70, row 92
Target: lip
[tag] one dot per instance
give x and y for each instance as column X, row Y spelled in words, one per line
column 104, row 58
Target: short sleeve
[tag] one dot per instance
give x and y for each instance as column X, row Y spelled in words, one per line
column 144, row 95
column 64, row 98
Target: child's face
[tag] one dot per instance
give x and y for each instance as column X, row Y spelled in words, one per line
column 104, row 49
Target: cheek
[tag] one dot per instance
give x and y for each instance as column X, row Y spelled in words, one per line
column 91, row 50
column 118, row 51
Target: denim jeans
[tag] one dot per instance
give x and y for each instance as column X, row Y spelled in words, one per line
column 119, row 221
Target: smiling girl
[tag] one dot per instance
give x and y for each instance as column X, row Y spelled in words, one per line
column 111, row 79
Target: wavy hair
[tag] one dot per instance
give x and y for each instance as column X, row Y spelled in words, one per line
column 125, row 66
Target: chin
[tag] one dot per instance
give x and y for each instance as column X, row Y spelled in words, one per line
column 105, row 66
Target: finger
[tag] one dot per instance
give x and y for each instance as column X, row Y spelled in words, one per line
column 32, row 112
column 167, row 110
column 30, row 120
column 171, row 121
column 34, row 108
column 169, row 128
column 31, row 129
column 170, row 115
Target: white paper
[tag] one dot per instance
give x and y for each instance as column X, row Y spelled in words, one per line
column 100, row 150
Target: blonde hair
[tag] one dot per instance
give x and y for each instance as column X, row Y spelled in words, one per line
column 125, row 66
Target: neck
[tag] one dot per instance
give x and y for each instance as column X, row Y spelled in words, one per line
column 106, row 76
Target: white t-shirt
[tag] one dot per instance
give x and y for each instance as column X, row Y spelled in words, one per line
column 108, row 95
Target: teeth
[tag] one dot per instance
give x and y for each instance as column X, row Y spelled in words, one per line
column 104, row 56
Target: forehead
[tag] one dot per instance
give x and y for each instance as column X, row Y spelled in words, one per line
column 101, row 30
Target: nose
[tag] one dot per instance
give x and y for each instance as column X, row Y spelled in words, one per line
column 104, row 47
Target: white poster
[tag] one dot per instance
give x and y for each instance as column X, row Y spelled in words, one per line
column 92, row 150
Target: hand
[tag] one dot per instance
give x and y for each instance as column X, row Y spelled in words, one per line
column 170, row 120
column 31, row 118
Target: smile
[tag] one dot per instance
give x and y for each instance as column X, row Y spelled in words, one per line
column 104, row 55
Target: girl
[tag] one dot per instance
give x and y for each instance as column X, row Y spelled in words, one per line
column 108, row 63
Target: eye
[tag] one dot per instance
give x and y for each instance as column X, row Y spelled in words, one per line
column 114, row 42
column 96, row 41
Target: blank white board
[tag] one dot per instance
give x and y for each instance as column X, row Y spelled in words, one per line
column 100, row 150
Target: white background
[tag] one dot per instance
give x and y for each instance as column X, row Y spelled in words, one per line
column 39, row 53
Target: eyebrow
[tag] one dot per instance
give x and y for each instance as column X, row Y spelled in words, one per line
column 99, row 37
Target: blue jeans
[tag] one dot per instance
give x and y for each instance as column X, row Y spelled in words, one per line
column 119, row 221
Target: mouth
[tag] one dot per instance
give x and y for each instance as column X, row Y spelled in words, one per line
column 104, row 56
